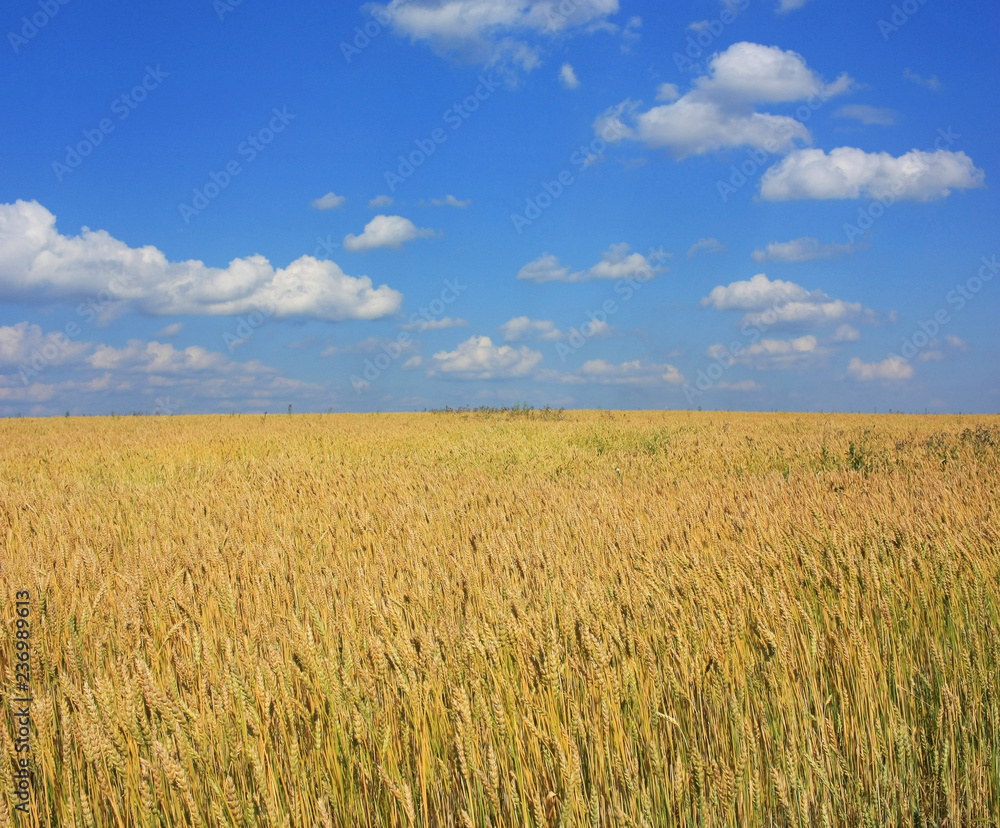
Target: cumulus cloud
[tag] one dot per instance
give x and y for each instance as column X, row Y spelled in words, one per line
column 450, row 201
column 18, row 343
column 803, row 249
column 567, row 77
column 381, row 201
column 757, row 292
column 479, row 359
column 752, row 72
column 774, row 354
column 818, row 309
column 328, row 202
column 503, row 33
column 616, row 263
column 104, row 376
column 37, row 263
column 441, row 324
column 847, row 172
column 891, row 368
column 868, row 115
column 157, row 358
column 937, row 350
column 846, row 333
column 709, row 245
column 386, row 231
column 636, row 372
column 718, row 113
column 778, row 302
column 523, row 327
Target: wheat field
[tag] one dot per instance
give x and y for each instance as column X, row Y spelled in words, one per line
column 504, row 618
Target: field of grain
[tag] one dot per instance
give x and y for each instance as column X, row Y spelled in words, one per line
column 468, row 619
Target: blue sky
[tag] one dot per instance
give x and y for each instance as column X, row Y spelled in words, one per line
column 226, row 206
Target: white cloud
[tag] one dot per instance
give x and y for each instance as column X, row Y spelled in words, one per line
column 868, row 115
column 790, row 5
column 636, row 372
column 751, row 72
column 412, row 363
column 847, row 172
column 146, row 371
column 741, row 385
column 937, row 350
column 799, row 250
column 170, row 330
column 709, row 245
column 37, row 263
column 630, row 32
column 846, row 333
column 328, row 202
column 18, row 343
column 478, row 358
column 159, row 358
column 777, row 302
column 522, row 327
column 932, row 83
column 567, row 77
column 718, row 113
column 381, row 201
column 891, row 368
column 501, row 33
column 667, row 92
column 385, row 231
column 774, row 354
column 450, row 201
column 819, row 309
column 616, row 263
column 441, row 324
column 757, row 292
column 546, row 268
column 597, row 329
